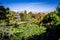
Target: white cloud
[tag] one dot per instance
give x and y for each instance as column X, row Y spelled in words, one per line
column 34, row 7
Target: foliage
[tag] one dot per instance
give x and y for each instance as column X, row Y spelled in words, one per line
column 11, row 18
column 46, row 28
column 24, row 16
column 29, row 30
column 51, row 18
column 58, row 10
column 51, row 21
column 2, row 13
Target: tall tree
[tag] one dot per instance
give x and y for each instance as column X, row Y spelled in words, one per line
column 58, row 10
column 25, row 15
column 2, row 12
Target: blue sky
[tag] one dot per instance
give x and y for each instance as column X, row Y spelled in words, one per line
column 31, row 5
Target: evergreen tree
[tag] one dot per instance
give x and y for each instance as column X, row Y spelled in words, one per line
column 58, row 10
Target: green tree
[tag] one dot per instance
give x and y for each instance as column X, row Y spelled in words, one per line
column 52, row 22
column 28, row 30
column 2, row 12
column 11, row 17
column 50, row 18
column 25, row 17
column 3, row 16
column 58, row 10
